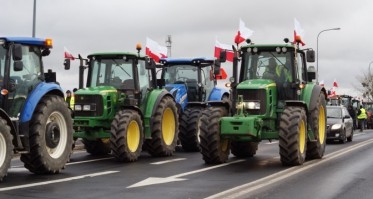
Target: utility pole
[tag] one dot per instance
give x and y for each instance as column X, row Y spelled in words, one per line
column 168, row 44
column 34, row 20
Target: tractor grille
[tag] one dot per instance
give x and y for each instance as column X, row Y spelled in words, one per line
column 254, row 95
column 95, row 101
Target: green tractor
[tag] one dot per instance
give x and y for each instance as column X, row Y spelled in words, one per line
column 273, row 97
column 122, row 110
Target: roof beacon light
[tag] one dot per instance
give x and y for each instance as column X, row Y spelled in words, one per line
column 49, row 43
column 138, row 46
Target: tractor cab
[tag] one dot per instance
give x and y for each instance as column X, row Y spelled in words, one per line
column 192, row 79
column 21, row 70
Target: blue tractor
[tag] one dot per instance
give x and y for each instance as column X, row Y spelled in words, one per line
column 193, row 82
column 34, row 118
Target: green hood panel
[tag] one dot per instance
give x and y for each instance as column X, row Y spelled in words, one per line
column 99, row 90
column 256, row 84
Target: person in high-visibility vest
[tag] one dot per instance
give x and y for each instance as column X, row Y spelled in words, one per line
column 362, row 116
column 70, row 99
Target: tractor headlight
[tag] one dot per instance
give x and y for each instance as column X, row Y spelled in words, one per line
column 336, row 126
column 78, row 107
column 86, row 107
column 252, row 105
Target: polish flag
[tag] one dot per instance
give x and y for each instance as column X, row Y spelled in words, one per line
column 298, row 32
column 335, row 83
column 154, row 50
column 243, row 33
column 321, row 83
column 67, row 54
column 219, row 47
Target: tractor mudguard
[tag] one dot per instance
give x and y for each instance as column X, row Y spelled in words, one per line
column 311, row 94
column 33, row 99
column 217, row 94
column 154, row 97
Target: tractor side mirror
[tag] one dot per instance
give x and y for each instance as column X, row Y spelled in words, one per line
column 222, row 74
column 17, row 52
column 217, row 66
column 66, row 63
column 18, row 65
column 311, row 73
column 149, row 63
column 310, row 54
column 223, row 56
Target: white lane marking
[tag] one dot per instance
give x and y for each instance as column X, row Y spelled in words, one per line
column 57, row 181
column 245, row 189
column 155, row 180
column 85, row 161
column 168, row 161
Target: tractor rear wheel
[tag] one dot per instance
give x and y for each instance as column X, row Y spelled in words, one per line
column 164, row 124
column 316, row 149
column 214, row 149
column 293, row 136
column 6, row 148
column 50, row 137
column 189, row 129
column 244, row 149
column 127, row 136
column 97, row 147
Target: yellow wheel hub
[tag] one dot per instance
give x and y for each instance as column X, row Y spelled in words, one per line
column 321, row 125
column 133, row 136
column 168, row 126
column 302, row 137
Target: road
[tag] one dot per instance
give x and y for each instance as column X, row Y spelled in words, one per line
column 346, row 171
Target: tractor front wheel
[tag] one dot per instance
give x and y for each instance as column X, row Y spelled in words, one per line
column 127, row 136
column 164, row 124
column 316, row 149
column 50, row 137
column 6, row 148
column 189, row 129
column 214, row 149
column 293, row 136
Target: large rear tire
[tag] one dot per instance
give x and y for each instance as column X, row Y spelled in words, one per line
column 316, row 149
column 244, row 149
column 50, row 137
column 97, row 147
column 214, row 149
column 189, row 129
column 293, row 136
column 165, row 129
column 127, row 136
column 6, row 148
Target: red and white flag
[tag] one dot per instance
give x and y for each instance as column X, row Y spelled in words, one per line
column 243, row 33
column 298, row 32
column 219, row 47
column 67, row 54
column 335, row 83
column 154, row 50
column 321, row 83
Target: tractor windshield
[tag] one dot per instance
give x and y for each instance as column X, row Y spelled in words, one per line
column 267, row 65
column 179, row 74
column 112, row 72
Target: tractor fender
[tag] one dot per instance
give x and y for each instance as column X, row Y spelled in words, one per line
column 35, row 96
column 312, row 95
column 154, row 98
column 217, row 94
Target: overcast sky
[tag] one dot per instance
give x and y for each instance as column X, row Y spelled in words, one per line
column 87, row 26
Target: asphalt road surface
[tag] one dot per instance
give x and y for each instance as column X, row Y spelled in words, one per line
column 345, row 172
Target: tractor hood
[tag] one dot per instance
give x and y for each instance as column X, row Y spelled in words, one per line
column 256, row 84
column 99, row 90
column 174, row 87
